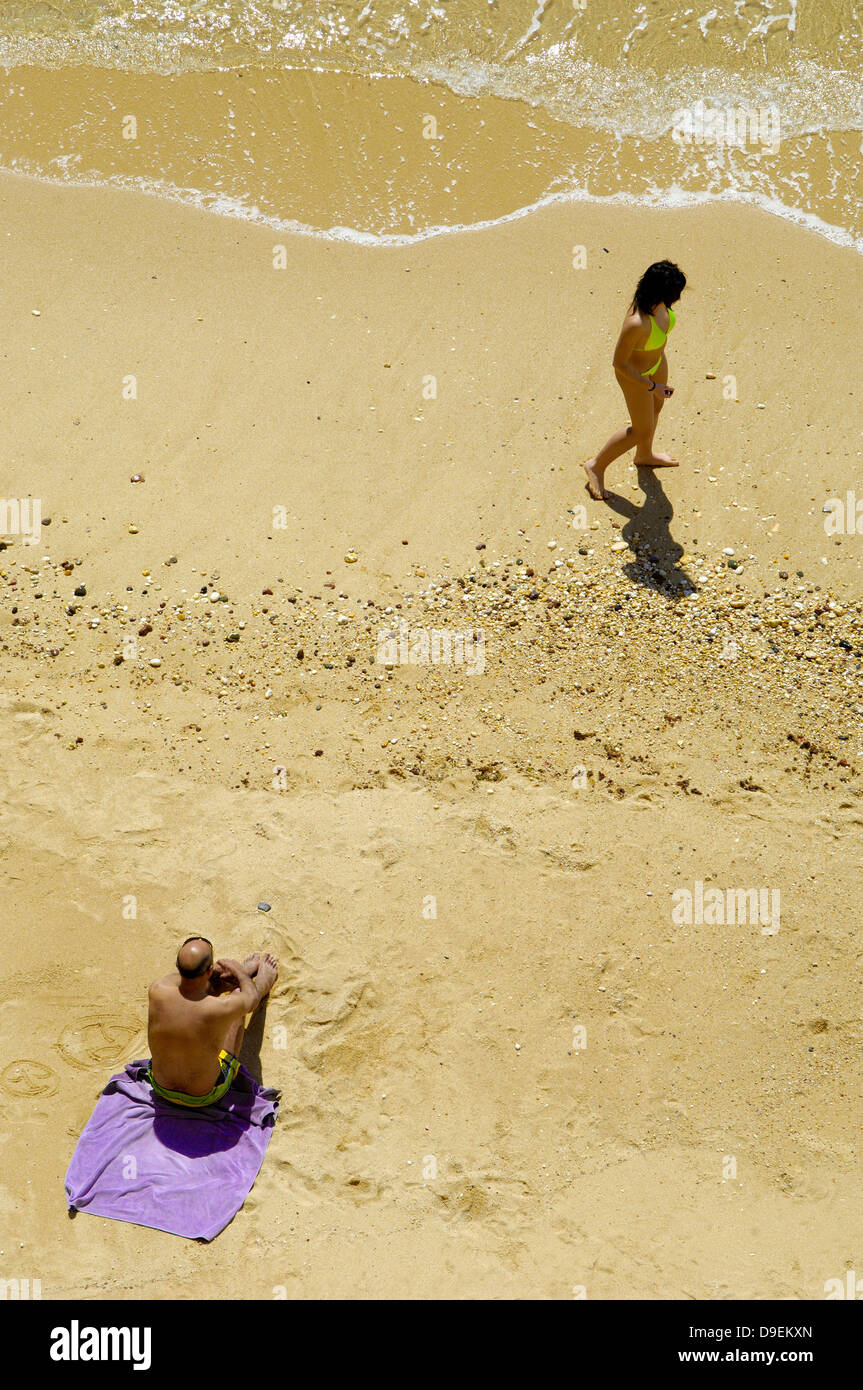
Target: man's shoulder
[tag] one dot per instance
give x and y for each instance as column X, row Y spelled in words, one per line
column 166, row 984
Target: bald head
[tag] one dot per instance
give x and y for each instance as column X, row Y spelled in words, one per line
column 194, row 957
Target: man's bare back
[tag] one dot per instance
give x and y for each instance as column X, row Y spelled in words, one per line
column 192, row 1019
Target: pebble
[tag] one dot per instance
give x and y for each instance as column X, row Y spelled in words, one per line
column 136, row 478
column 155, row 661
column 81, row 591
column 351, row 557
column 263, row 907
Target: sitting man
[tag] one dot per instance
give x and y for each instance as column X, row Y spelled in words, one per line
column 197, row 1021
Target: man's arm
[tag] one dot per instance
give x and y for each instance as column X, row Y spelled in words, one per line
column 245, row 997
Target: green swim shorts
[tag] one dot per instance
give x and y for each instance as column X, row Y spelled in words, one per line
column 230, row 1067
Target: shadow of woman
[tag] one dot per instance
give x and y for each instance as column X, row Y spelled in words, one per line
column 648, row 534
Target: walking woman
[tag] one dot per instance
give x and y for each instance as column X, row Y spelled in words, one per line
column 642, row 372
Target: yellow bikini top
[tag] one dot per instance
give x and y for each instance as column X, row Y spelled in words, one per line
column 657, row 337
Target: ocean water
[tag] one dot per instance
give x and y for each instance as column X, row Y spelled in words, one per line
column 390, row 121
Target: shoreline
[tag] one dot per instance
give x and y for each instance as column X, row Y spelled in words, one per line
column 665, row 202
column 390, row 158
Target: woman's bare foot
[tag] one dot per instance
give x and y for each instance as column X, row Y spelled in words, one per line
column 252, row 963
column 657, row 461
column 595, row 477
column 268, row 973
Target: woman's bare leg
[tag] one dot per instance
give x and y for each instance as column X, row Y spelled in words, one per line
column 644, row 407
column 649, row 458
column 638, row 435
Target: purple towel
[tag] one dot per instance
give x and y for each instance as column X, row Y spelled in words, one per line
column 187, row 1171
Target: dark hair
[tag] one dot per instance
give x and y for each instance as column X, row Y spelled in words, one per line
column 199, row 969
column 662, row 283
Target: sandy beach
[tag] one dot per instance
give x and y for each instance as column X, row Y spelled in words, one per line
column 507, row 1070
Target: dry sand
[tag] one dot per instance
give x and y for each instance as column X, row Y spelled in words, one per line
column 444, row 1131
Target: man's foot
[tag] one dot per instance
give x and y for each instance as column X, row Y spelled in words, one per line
column 268, row 973
column 657, row 461
column 252, row 963
column 595, row 476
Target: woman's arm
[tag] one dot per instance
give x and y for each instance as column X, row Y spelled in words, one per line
column 628, row 343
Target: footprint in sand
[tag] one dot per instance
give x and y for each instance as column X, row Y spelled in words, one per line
column 388, row 851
